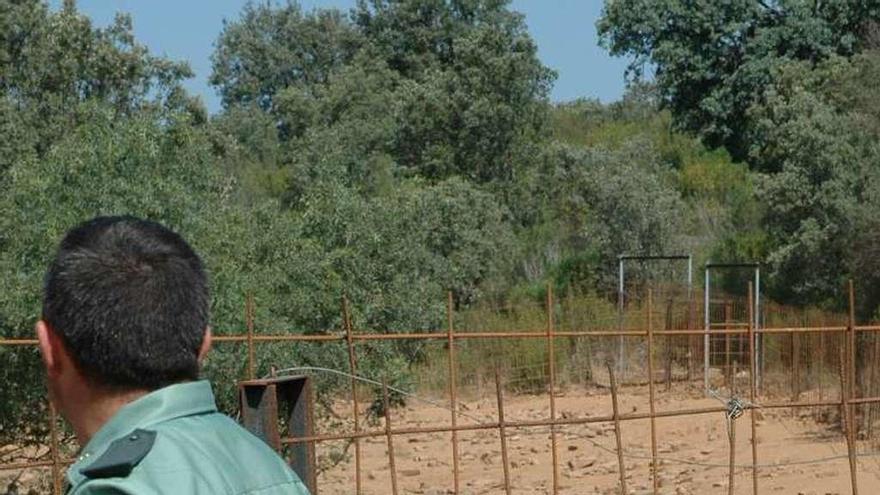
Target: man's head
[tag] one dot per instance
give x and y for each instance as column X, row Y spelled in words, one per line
column 125, row 307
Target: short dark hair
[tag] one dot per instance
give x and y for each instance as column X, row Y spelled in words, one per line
column 129, row 299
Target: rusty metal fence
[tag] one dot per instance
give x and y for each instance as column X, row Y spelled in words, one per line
column 846, row 338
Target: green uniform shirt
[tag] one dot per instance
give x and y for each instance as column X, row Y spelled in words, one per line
column 174, row 441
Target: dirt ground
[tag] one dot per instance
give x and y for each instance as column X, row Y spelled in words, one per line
column 693, row 450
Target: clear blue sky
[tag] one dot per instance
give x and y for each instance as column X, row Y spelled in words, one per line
column 564, row 30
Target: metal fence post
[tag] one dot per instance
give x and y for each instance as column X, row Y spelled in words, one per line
column 264, row 403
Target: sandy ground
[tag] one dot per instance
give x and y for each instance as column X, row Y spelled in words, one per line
column 693, row 450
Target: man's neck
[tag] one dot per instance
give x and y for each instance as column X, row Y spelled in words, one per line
column 90, row 411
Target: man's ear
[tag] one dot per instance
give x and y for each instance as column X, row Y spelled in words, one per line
column 50, row 348
column 206, row 345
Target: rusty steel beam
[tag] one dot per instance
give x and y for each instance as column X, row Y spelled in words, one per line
column 502, row 433
column 453, row 393
column 500, row 335
column 249, row 324
column 753, row 372
column 392, row 465
column 654, row 464
column 262, row 403
column 551, row 357
column 12, row 342
column 621, row 466
column 849, row 393
column 55, row 451
column 352, row 364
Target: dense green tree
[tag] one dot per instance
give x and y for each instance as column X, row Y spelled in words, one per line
column 155, row 165
column 706, row 199
column 349, row 139
column 465, row 88
column 819, row 124
column 476, row 90
column 56, row 59
column 611, row 202
column 394, row 256
column 711, row 59
column 358, row 134
column 50, row 61
column 62, row 82
column 269, row 49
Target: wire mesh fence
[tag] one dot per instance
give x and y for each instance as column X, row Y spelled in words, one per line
column 546, row 403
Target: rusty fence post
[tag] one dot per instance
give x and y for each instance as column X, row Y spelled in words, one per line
column 821, row 368
column 389, row 437
column 654, row 464
column 844, row 424
column 872, row 388
column 669, row 346
column 551, row 355
column 616, row 416
column 753, row 369
column 848, row 392
column 352, row 364
column 249, row 323
column 731, row 437
column 502, row 433
column 55, row 449
column 453, row 384
column 795, row 366
column 730, row 377
column 693, row 340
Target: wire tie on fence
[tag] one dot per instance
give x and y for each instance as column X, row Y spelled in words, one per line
column 735, row 408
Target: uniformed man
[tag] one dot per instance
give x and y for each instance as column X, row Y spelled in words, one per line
column 123, row 332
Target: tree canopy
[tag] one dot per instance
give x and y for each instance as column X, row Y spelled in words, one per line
column 711, row 59
column 459, row 82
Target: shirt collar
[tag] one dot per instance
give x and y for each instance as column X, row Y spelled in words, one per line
column 164, row 404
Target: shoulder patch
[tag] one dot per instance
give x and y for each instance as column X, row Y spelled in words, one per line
column 122, row 455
